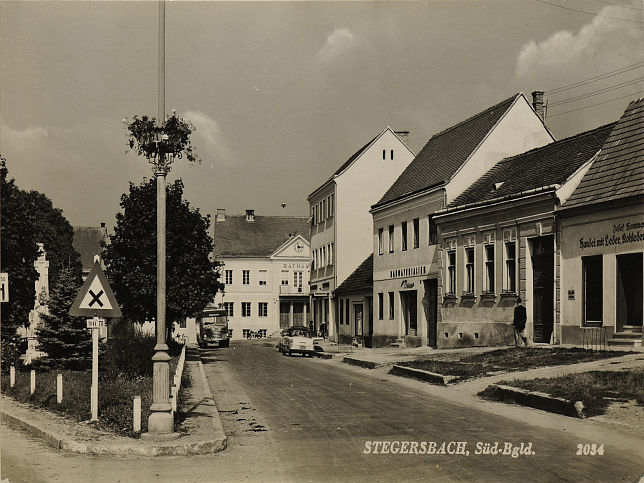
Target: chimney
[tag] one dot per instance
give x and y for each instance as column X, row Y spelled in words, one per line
column 221, row 215
column 537, row 104
column 404, row 136
column 250, row 215
column 102, row 224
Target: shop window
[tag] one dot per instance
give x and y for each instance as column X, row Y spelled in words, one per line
column 229, row 277
column 381, row 247
column 403, row 229
column 593, row 289
column 488, row 252
column 380, row 306
column 451, row 272
column 416, row 224
column 245, row 309
column 469, row 270
column 391, row 238
column 229, row 307
column 629, row 290
column 510, row 280
column 246, row 277
column 391, row 306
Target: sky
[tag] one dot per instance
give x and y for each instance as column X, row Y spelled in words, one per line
column 282, row 93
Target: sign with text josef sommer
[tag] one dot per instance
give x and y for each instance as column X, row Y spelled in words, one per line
column 95, row 298
column 4, row 287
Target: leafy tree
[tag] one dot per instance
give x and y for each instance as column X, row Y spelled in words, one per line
column 56, row 233
column 64, row 338
column 131, row 256
column 17, row 259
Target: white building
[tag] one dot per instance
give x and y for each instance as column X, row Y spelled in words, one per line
column 341, row 225
column 265, row 272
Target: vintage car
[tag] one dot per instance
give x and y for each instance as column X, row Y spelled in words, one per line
column 296, row 340
column 212, row 328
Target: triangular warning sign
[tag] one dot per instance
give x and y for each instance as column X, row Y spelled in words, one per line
column 95, row 298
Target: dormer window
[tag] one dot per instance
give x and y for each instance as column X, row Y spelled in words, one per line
column 497, row 186
column 250, row 215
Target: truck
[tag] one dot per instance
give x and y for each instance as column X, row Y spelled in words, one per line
column 212, row 327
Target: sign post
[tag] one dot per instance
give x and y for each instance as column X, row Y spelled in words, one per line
column 96, row 300
column 4, row 287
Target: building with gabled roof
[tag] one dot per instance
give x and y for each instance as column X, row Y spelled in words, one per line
column 340, row 219
column 265, row 271
column 354, row 301
column 406, row 256
column 602, row 247
column 88, row 243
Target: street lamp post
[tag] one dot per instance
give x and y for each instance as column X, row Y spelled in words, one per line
column 161, row 421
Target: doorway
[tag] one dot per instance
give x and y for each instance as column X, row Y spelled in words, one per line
column 410, row 311
column 430, row 301
column 357, row 319
column 629, row 290
column 542, row 288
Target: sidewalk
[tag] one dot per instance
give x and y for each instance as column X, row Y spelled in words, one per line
column 204, row 433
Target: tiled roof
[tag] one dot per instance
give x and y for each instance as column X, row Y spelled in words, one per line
column 87, row 242
column 537, row 168
column 360, row 279
column 445, row 152
column 618, row 171
column 236, row 237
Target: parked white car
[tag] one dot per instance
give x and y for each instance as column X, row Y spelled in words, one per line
column 296, row 340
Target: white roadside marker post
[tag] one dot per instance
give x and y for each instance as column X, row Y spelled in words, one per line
column 12, row 375
column 33, row 382
column 136, row 422
column 59, row 388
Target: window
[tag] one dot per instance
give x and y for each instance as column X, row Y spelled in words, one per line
column 314, row 264
column 245, row 309
column 392, row 154
column 384, row 154
column 331, row 254
column 432, row 231
column 347, row 309
column 469, row 269
column 313, row 215
column 285, row 277
column 391, row 238
column 320, row 215
column 341, row 311
column 229, row 277
column 489, row 268
column 331, row 205
column 263, row 275
column 380, row 306
column 297, row 280
column 510, row 268
column 324, row 257
column 416, row 233
column 593, row 289
column 403, row 228
column 262, row 309
column 229, row 307
column 324, row 213
column 246, row 277
column 381, row 247
column 451, row 272
column 391, row 306
column 182, row 323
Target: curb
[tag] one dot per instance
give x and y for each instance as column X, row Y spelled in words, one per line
column 120, row 445
column 324, row 355
column 538, row 400
column 362, row 363
column 426, row 376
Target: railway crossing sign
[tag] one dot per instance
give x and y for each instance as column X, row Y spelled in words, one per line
column 95, row 298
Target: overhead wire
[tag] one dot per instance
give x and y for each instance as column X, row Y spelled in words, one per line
column 597, row 104
column 590, row 80
column 598, row 92
column 589, row 13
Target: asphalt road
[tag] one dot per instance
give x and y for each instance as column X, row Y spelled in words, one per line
column 321, row 416
column 300, row 419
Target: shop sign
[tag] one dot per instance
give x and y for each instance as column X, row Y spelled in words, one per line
column 622, row 234
column 406, row 284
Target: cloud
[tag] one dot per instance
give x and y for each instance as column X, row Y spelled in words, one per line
column 604, row 41
column 338, row 42
column 208, row 130
column 22, row 138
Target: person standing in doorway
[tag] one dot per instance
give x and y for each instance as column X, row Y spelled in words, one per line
column 520, row 318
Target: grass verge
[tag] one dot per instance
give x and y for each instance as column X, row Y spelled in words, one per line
column 596, row 389
column 465, row 366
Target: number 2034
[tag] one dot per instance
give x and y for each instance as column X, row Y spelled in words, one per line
column 590, row 449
